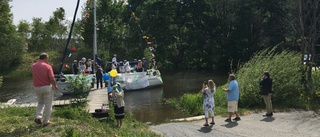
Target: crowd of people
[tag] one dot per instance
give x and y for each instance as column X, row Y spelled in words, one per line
column 232, row 91
column 86, row 66
column 133, row 66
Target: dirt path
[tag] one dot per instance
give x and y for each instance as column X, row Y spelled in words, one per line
column 282, row 124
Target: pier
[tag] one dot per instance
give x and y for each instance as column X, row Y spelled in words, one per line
column 96, row 98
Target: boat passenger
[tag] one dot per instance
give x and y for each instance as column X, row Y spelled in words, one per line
column 126, row 66
column 139, row 66
column 145, row 64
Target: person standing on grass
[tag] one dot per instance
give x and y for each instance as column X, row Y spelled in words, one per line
column 208, row 90
column 266, row 92
column 117, row 97
column 232, row 97
column 44, row 85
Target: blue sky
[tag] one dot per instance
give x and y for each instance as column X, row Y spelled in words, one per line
column 27, row 9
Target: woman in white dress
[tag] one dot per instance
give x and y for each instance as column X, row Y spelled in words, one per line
column 208, row 90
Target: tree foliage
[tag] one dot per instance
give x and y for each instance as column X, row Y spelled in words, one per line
column 185, row 34
column 11, row 44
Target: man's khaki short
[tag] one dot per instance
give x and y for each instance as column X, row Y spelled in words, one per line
column 232, row 106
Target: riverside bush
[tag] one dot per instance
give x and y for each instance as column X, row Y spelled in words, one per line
column 286, row 71
column 285, row 68
column 79, row 87
column 192, row 103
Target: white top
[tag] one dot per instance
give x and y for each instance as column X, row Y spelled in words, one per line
column 114, row 59
column 127, row 66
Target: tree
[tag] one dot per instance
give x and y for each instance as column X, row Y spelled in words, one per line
column 303, row 16
column 11, row 44
column 38, row 35
column 56, row 30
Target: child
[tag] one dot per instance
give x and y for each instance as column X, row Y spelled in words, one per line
column 117, row 96
column 208, row 90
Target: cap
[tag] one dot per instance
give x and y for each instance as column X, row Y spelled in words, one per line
column 75, row 61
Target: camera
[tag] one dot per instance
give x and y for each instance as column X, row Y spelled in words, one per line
column 205, row 83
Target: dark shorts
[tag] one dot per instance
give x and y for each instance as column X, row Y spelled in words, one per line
column 118, row 112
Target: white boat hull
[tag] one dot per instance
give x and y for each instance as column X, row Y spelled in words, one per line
column 139, row 80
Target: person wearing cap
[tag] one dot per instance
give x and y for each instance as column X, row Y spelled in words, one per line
column 75, row 67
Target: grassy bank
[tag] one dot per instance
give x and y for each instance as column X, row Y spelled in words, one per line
column 287, row 73
column 24, row 68
column 67, row 122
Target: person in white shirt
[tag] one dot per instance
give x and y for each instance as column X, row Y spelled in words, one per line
column 126, row 66
column 114, row 59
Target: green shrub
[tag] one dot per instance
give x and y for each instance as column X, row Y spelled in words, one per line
column 79, row 86
column 192, row 103
column 220, row 98
column 285, row 69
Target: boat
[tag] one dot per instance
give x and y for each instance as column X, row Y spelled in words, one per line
column 139, row 80
column 87, row 80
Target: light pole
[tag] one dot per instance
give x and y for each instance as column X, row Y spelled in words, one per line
column 94, row 35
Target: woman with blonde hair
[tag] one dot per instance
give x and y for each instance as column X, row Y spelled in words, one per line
column 208, row 90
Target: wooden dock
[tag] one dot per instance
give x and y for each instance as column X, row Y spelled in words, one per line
column 11, row 103
column 96, row 98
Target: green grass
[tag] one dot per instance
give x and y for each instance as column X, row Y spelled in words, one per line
column 67, row 122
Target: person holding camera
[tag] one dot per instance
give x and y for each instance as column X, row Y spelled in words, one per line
column 208, row 90
column 266, row 92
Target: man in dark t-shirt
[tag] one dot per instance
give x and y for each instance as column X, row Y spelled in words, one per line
column 75, row 67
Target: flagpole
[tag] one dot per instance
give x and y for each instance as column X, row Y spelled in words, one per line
column 94, row 35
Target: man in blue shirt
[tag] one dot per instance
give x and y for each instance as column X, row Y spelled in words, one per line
column 232, row 97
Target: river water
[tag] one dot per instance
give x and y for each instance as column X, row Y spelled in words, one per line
column 147, row 105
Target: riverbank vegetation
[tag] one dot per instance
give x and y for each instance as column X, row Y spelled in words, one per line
column 182, row 36
column 287, row 73
column 68, row 121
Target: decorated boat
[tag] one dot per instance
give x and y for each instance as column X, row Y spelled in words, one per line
column 140, row 80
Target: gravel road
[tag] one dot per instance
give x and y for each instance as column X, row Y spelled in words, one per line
column 282, row 124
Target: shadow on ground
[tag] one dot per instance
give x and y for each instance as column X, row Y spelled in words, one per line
column 206, row 129
column 268, row 119
column 230, row 124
